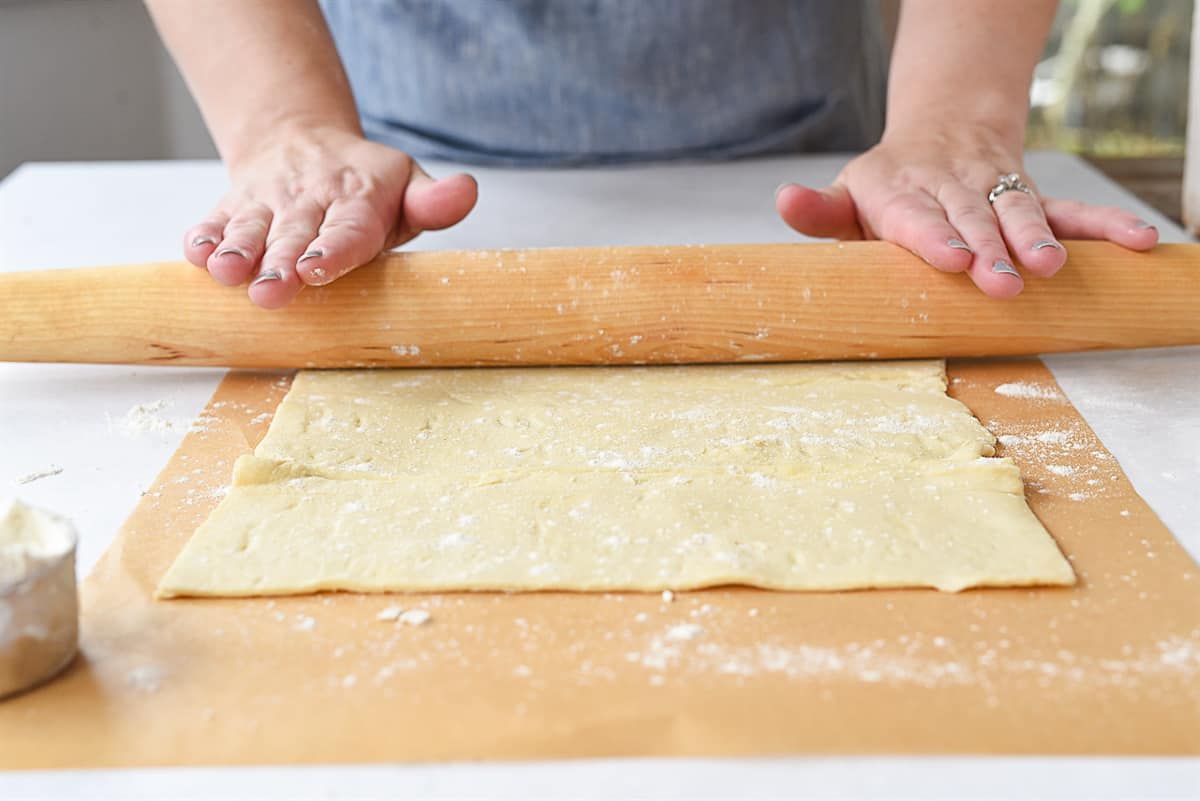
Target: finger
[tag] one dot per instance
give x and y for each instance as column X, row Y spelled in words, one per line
column 825, row 213
column 277, row 281
column 1027, row 233
column 202, row 239
column 351, row 235
column 1071, row 219
column 433, row 204
column 991, row 267
column 237, row 256
column 916, row 221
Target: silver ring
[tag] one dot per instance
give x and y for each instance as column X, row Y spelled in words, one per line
column 1006, row 183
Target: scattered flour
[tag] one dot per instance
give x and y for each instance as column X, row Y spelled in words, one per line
column 914, row 660
column 392, row 613
column 146, row 678
column 146, row 418
column 1023, row 389
column 52, row 470
column 414, row 617
column 684, row 631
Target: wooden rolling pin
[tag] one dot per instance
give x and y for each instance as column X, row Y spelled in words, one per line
column 627, row 305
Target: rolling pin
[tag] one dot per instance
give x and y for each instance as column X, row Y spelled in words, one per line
column 621, row 305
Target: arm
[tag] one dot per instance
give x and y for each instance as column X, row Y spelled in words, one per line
column 968, row 61
column 957, row 106
column 311, row 198
column 257, row 69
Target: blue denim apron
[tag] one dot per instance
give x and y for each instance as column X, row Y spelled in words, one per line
column 561, row 82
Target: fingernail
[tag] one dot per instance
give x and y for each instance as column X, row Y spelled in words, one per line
column 315, row 253
column 1144, row 224
column 269, row 275
column 959, row 244
column 203, row 240
column 1046, row 243
column 781, row 187
column 1004, row 268
column 234, row 251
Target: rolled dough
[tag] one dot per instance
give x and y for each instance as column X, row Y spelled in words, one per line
column 816, row 476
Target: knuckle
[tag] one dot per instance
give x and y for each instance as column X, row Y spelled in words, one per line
column 249, row 229
column 344, row 182
column 975, row 215
column 1070, row 206
column 352, row 227
column 903, row 215
column 290, row 232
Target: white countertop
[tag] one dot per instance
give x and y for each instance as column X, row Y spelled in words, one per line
column 1142, row 404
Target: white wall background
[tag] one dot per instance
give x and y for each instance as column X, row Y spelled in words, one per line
column 90, row 80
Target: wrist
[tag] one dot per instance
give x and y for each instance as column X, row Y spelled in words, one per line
column 303, row 132
column 986, row 120
column 952, row 132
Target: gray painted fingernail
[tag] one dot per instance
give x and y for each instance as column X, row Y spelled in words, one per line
column 269, row 275
column 959, row 244
column 1004, row 268
column 1046, row 243
column 234, row 251
column 315, row 253
column 203, row 240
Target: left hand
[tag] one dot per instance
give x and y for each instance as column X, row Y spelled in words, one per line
column 928, row 193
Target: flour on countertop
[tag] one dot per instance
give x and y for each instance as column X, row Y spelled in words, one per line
column 665, row 645
column 1024, row 389
column 1072, row 455
column 145, row 418
column 391, row 614
column 37, row 475
column 146, row 678
column 684, row 631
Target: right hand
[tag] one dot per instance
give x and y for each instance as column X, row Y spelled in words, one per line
column 310, row 206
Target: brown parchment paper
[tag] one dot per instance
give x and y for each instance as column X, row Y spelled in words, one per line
column 1109, row 666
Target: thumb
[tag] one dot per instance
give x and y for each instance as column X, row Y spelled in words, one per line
column 826, row 213
column 432, row 204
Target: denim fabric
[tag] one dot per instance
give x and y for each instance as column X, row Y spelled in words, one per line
column 554, row 82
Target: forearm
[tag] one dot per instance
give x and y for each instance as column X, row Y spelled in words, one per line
column 966, row 62
column 257, row 68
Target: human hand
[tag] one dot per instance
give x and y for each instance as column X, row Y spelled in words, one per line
column 309, row 206
column 928, row 192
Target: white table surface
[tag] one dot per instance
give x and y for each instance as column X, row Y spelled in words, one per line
column 1143, row 405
